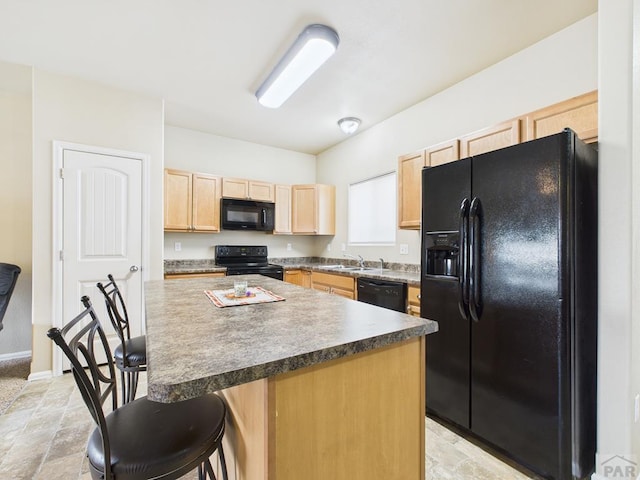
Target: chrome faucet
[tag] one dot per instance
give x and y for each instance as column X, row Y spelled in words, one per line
column 359, row 258
column 381, row 264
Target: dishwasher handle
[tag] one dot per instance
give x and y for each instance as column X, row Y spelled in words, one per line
column 378, row 283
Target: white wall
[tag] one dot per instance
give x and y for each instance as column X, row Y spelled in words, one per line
column 73, row 110
column 557, row 68
column 205, row 153
column 15, row 202
column 619, row 254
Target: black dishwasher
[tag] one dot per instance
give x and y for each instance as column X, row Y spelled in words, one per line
column 383, row 293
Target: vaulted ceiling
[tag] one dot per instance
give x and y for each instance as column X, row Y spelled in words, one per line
column 206, row 58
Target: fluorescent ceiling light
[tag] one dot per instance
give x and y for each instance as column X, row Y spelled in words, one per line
column 311, row 49
column 349, row 124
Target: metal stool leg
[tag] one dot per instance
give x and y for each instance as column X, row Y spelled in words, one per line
column 223, row 463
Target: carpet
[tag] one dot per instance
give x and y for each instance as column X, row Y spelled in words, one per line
column 13, row 378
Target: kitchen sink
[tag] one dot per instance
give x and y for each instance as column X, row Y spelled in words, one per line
column 347, row 268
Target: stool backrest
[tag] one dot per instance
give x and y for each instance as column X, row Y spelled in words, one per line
column 79, row 340
column 116, row 308
column 8, row 278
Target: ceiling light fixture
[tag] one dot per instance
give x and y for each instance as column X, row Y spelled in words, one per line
column 349, row 124
column 311, row 49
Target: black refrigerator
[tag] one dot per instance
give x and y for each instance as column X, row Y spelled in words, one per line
column 509, row 272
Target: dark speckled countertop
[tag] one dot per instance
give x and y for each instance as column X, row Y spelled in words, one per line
column 407, row 273
column 194, row 347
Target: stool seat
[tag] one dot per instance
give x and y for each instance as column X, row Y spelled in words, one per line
column 173, row 438
column 136, row 349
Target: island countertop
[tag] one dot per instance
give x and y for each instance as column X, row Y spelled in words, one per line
column 194, row 347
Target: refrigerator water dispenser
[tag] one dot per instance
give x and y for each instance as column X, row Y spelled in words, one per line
column 442, row 253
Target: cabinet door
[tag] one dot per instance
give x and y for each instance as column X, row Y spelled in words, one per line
column 305, row 279
column 304, row 214
column 343, row 292
column 206, row 203
column 235, row 188
column 261, row 191
column 579, row 114
column 293, row 276
column 283, row 209
column 489, row 139
column 409, row 189
column 442, row 153
column 413, row 298
column 177, row 200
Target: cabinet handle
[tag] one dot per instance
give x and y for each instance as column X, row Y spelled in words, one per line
column 418, row 296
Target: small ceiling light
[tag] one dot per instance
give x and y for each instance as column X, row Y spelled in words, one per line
column 311, row 49
column 349, row 124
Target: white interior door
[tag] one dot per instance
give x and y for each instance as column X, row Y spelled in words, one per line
column 101, row 234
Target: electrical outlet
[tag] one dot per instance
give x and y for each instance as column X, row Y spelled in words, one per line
column 177, row 246
column 328, row 247
column 404, row 249
column 288, row 247
column 637, row 408
column 343, row 247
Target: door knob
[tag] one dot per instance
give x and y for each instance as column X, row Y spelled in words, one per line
column 133, row 268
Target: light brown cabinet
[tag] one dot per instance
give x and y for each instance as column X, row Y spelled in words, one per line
column 313, row 209
column 298, row 277
column 248, row 189
column 191, row 201
column 334, row 284
column 409, row 189
column 283, row 209
column 578, row 113
column 410, row 179
column 489, row 139
column 413, row 301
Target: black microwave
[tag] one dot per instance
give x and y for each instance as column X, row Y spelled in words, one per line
column 247, row 215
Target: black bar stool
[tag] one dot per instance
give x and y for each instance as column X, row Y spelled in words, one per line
column 131, row 354
column 142, row 439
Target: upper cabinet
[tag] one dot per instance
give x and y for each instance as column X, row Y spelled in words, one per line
column 248, row 189
column 313, row 209
column 410, row 179
column 492, row 138
column 579, row 114
column 409, row 188
column 191, row 201
column 283, row 209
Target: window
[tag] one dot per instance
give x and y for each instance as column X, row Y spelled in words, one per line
column 372, row 211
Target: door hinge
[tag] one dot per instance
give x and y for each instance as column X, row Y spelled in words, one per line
column 62, row 173
column 62, row 255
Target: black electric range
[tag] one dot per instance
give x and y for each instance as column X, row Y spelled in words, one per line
column 247, row 259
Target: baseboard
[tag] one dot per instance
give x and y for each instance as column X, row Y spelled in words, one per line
column 46, row 375
column 15, row 355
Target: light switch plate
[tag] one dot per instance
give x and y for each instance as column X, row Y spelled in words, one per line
column 344, row 247
column 404, row 249
column 177, row 246
column 328, row 247
column 288, row 247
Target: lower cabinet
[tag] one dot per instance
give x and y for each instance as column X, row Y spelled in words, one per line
column 298, row 277
column 413, row 301
column 334, row 284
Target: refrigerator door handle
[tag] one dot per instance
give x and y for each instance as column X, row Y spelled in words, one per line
column 475, row 303
column 463, row 260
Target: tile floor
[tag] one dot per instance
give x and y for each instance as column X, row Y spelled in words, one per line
column 44, row 432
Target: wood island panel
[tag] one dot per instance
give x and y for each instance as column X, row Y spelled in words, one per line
column 364, row 412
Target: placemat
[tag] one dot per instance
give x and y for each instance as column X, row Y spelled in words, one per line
column 226, row 298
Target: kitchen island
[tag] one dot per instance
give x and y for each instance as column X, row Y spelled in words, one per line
column 317, row 386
